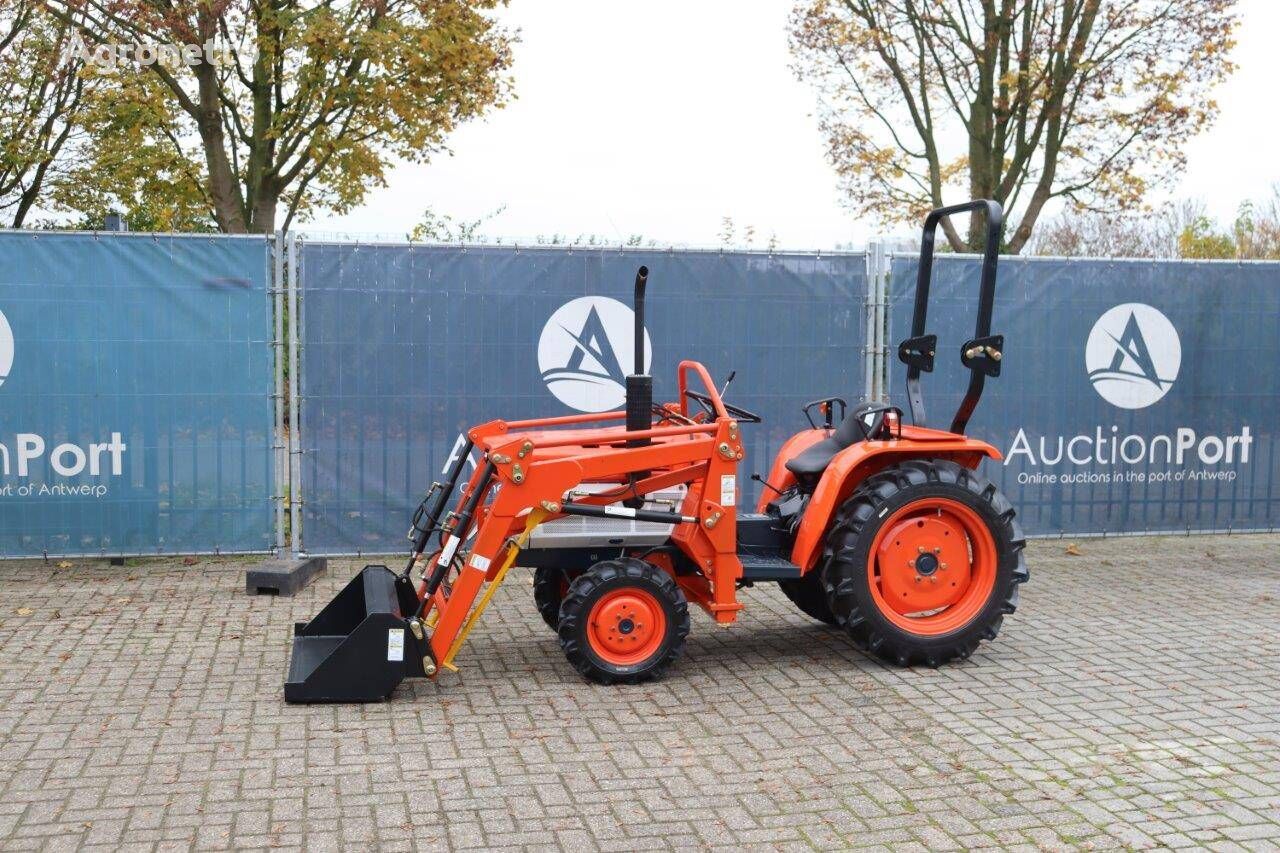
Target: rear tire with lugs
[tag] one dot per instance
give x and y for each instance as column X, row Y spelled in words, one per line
column 623, row 621
column 808, row 594
column 923, row 562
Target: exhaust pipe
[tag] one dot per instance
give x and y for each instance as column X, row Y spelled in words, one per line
column 639, row 383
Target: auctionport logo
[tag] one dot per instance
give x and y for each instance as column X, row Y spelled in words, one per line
column 28, row 454
column 1133, row 355
column 586, row 350
column 6, row 348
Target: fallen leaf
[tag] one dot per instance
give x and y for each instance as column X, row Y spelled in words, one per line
column 1073, row 550
column 132, row 578
column 25, row 611
column 189, row 561
column 65, row 564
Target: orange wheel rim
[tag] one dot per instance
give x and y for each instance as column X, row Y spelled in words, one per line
column 626, row 626
column 932, row 566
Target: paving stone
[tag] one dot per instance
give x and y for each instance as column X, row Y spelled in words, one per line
column 1133, row 700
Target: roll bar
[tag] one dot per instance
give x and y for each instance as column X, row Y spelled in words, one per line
column 981, row 354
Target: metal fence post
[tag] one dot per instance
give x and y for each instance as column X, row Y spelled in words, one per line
column 882, row 323
column 295, row 445
column 278, row 447
column 869, row 347
column 874, row 385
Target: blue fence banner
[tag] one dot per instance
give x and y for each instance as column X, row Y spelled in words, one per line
column 1135, row 396
column 136, row 377
column 404, row 347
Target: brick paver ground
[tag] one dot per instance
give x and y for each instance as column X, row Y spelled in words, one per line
column 1133, row 701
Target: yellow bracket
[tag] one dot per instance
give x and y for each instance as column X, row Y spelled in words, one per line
column 513, row 548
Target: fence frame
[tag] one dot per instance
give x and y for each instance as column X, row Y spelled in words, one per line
column 295, row 399
column 296, row 290
column 271, row 298
column 877, row 369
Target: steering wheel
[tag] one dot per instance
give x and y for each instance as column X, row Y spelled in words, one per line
column 707, row 406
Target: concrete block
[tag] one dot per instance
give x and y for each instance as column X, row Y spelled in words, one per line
column 282, row 577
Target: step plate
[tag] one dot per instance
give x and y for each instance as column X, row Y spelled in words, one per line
column 756, row 567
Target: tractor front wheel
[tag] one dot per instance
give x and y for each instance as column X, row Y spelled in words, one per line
column 923, row 562
column 623, row 621
column 549, row 588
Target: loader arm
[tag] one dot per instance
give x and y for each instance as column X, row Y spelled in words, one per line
column 533, row 470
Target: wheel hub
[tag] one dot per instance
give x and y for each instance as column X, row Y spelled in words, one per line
column 924, row 564
column 626, row 626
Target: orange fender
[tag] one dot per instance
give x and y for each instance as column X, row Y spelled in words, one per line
column 779, row 477
column 860, row 460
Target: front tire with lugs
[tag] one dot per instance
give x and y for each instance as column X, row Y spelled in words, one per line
column 623, row 621
column 923, row 562
column 549, row 587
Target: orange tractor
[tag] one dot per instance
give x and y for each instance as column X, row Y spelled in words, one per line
column 881, row 529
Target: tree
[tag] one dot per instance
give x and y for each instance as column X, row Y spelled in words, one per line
column 304, row 103
column 1084, row 233
column 1256, row 231
column 40, row 100
column 1201, row 240
column 1022, row 101
column 1174, row 230
column 128, row 164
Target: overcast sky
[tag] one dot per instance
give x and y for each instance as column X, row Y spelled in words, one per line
column 661, row 117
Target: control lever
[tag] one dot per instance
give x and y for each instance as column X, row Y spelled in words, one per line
column 762, row 481
column 732, row 373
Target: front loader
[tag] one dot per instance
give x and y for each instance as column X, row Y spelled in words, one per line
column 881, row 529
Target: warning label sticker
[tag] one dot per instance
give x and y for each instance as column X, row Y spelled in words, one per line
column 395, row 644
column 728, row 490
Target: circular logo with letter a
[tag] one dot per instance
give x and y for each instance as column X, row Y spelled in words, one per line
column 586, row 351
column 6, row 348
column 1133, row 355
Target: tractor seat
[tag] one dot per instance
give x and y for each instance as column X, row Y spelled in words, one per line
column 814, row 460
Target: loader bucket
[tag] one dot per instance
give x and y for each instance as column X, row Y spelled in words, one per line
column 359, row 647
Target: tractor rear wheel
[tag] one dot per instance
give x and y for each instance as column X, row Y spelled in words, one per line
column 923, row 562
column 549, row 588
column 810, row 596
column 623, row 621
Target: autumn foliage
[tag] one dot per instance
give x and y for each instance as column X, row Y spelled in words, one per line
column 305, row 105
column 1023, row 101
